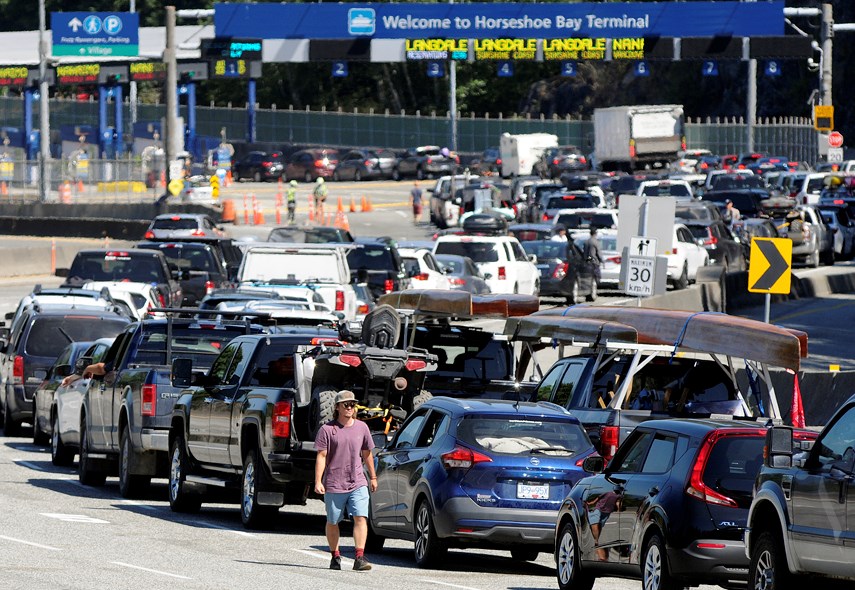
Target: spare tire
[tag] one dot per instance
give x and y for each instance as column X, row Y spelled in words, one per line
column 321, row 408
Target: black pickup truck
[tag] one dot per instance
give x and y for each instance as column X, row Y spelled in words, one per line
column 126, row 413
column 237, row 429
column 800, row 524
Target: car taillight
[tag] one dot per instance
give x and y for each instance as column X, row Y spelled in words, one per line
column 498, row 161
column 697, row 488
column 367, row 163
column 457, row 281
column 463, row 458
column 502, row 273
column 197, row 232
column 422, row 276
column 545, row 217
column 415, row 364
column 674, row 251
column 282, row 419
column 267, row 164
column 560, row 271
column 388, row 285
column 362, row 309
column 614, row 259
column 609, row 439
column 582, row 160
column 710, row 241
column 631, row 148
column 18, row 370
column 339, row 300
column 149, row 400
column 209, row 286
column 149, row 235
column 352, row 360
column 326, row 342
column 555, row 161
column 683, row 143
column 319, row 163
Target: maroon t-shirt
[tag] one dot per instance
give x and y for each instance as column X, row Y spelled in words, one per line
column 344, row 445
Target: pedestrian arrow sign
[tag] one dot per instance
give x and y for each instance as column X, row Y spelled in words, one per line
column 770, row 265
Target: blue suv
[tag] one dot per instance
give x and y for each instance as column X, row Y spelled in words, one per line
column 477, row 473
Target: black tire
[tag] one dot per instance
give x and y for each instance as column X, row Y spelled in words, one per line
column 573, row 298
column 130, row 485
column 180, row 500
column 683, row 281
column 257, row 176
column 10, row 426
column 568, row 560
column 374, row 542
column 655, row 573
column 524, row 554
column 235, row 175
column 768, row 566
column 60, row 454
column 87, row 473
column 40, row 437
column 396, row 174
column 828, row 257
column 428, row 548
column 321, row 408
column 308, row 176
column 357, row 176
column 592, row 296
column 252, row 515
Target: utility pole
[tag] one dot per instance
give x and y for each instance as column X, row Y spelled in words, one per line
column 826, row 37
column 44, row 113
column 452, row 99
column 170, row 120
column 132, row 90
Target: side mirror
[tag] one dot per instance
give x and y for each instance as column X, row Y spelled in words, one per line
column 9, row 315
column 61, row 272
column 182, row 372
column 533, row 258
column 488, row 276
column 62, row 370
column 380, row 439
column 594, row 464
column 81, row 363
column 779, row 447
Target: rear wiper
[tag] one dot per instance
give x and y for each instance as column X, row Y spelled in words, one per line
column 551, row 450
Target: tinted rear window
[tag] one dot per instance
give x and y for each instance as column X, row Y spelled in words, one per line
column 477, row 251
column 202, row 345
column 49, row 335
column 733, row 465
column 545, row 250
column 522, row 436
column 190, row 258
column 569, row 202
column 672, row 190
column 180, row 223
column 117, row 267
column 586, row 220
column 371, row 258
column 701, row 213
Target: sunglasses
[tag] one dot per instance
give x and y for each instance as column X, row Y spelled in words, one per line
column 348, row 404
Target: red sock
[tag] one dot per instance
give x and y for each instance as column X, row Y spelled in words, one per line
column 336, row 553
column 360, row 553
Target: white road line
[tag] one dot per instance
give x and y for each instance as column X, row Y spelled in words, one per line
column 48, row 547
column 138, row 504
column 227, row 529
column 429, row 581
column 30, row 465
column 145, row 569
column 402, row 214
column 319, row 555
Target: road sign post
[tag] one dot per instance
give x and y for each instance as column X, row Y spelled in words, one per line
column 770, row 268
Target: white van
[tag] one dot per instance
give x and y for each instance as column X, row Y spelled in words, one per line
column 520, row 152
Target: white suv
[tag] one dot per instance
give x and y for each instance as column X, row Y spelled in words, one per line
column 423, row 268
column 501, row 259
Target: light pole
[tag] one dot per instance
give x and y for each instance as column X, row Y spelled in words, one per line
column 44, row 113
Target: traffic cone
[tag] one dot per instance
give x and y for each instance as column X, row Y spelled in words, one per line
column 364, row 204
column 254, row 211
column 312, row 210
column 65, row 192
column 245, row 212
column 163, row 179
column 4, row 189
column 229, row 179
column 346, row 224
column 352, row 206
column 340, row 208
column 279, row 193
column 80, row 186
column 228, row 211
column 370, row 207
column 278, row 214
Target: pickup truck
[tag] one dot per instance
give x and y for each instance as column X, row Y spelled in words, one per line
column 801, row 524
column 241, row 428
column 631, row 364
column 126, row 413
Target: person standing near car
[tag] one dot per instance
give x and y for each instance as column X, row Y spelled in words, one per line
column 416, row 197
column 291, row 199
column 731, row 213
column 344, row 444
column 320, row 196
column 592, row 253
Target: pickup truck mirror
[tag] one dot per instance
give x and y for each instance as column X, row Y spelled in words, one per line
column 9, row 315
column 62, row 371
column 593, row 464
column 182, row 372
column 381, row 439
column 779, row 447
column 61, row 272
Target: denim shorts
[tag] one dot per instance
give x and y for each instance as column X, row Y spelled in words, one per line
column 356, row 503
column 597, row 517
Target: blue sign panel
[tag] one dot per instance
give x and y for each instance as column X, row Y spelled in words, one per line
column 642, row 68
column 710, row 68
column 773, row 68
column 506, row 69
column 568, row 68
column 435, row 69
column 339, row 69
column 95, row 34
column 481, row 20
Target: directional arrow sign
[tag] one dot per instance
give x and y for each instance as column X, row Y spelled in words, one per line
column 770, row 265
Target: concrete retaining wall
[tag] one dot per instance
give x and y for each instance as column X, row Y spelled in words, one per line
column 134, row 211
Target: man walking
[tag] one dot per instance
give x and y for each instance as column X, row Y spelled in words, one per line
column 416, row 196
column 592, row 254
column 343, row 445
column 291, row 198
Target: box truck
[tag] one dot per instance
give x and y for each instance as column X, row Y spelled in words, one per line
column 520, row 152
column 637, row 137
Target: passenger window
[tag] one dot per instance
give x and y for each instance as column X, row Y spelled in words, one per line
column 661, row 455
column 221, row 364
column 435, row 425
column 519, row 252
column 239, row 363
column 508, row 256
column 838, row 442
column 407, row 435
column 569, row 382
column 632, row 460
column 544, row 390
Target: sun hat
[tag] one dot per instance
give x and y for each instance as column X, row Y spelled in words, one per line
column 344, row 396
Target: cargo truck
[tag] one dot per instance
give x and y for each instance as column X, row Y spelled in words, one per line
column 633, row 138
column 520, row 152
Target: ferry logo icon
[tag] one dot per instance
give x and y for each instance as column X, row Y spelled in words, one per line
column 361, row 21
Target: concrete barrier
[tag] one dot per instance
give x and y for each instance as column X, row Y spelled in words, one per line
column 123, row 229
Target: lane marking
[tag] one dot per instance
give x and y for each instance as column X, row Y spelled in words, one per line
column 40, row 546
column 145, row 569
column 429, row 581
column 402, row 214
column 227, row 529
column 30, row 465
column 138, row 504
column 319, row 555
column 82, row 518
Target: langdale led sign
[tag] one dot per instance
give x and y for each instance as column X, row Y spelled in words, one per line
column 524, row 49
column 78, row 74
column 13, row 76
column 147, row 71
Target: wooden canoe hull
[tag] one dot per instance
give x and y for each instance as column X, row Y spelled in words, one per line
column 460, row 304
column 569, row 330
column 702, row 332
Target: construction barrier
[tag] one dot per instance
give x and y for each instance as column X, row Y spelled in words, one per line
column 121, row 186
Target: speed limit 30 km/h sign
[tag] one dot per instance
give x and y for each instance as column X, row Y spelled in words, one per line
column 640, row 276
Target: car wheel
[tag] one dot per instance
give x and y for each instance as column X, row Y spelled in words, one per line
column 335, row 176
column 357, row 176
column 655, row 574
column 374, row 542
column 592, row 296
column 574, row 294
column 130, row 485
column 236, row 175
column 828, row 258
column 257, row 176
column 683, row 281
column 429, row 548
column 321, row 408
column 568, row 560
column 396, row 174
column 60, row 455
column 524, row 554
column 88, row 474
column 813, row 261
column 768, row 567
column 180, row 500
column 308, row 176
column 39, row 437
column 252, row 514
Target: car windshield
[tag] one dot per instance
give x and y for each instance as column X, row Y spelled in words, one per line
column 455, row 264
column 522, row 435
column 745, row 202
column 117, row 266
column 371, row 258
column 477, row 251
column 467, row 354
column 50, row 334
column 175, row 223
column 585, row 220
column 700, row 213
column 305, row 266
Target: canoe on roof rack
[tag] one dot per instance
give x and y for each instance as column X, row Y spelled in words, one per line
column 569, row 330
column 460, row 304
column 709, row 332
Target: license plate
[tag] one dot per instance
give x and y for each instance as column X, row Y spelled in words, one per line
column 533, row 492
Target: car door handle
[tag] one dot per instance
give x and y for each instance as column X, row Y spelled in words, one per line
column 653, row 491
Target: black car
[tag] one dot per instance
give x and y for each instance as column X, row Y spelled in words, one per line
column 557, row 160
column 376, row 261
column 226, row 248
column 698, row 210
column 670, row 509
column 563, row 270
column 425, row 162
column 365, row 165
column 259, row 166
column 754, row 227
column 462, row 274
column 748, row 201
column 488, row 163
column 36, row 339
column 723, row 247
column 200, row 267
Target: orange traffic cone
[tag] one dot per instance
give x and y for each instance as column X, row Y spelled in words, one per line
column 278, row 213
column 163, row 178
column 364, row 204
column 228, row 214
column 352, row 206
column 340, row 208
column 245, row 212
column 370, row 207
column 65, row 192
column 312, row 211
column 345, row 223
column 80, row 186
column 4, row 189
column 229, row 179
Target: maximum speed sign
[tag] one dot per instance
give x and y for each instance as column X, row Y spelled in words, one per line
column 641, row 274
